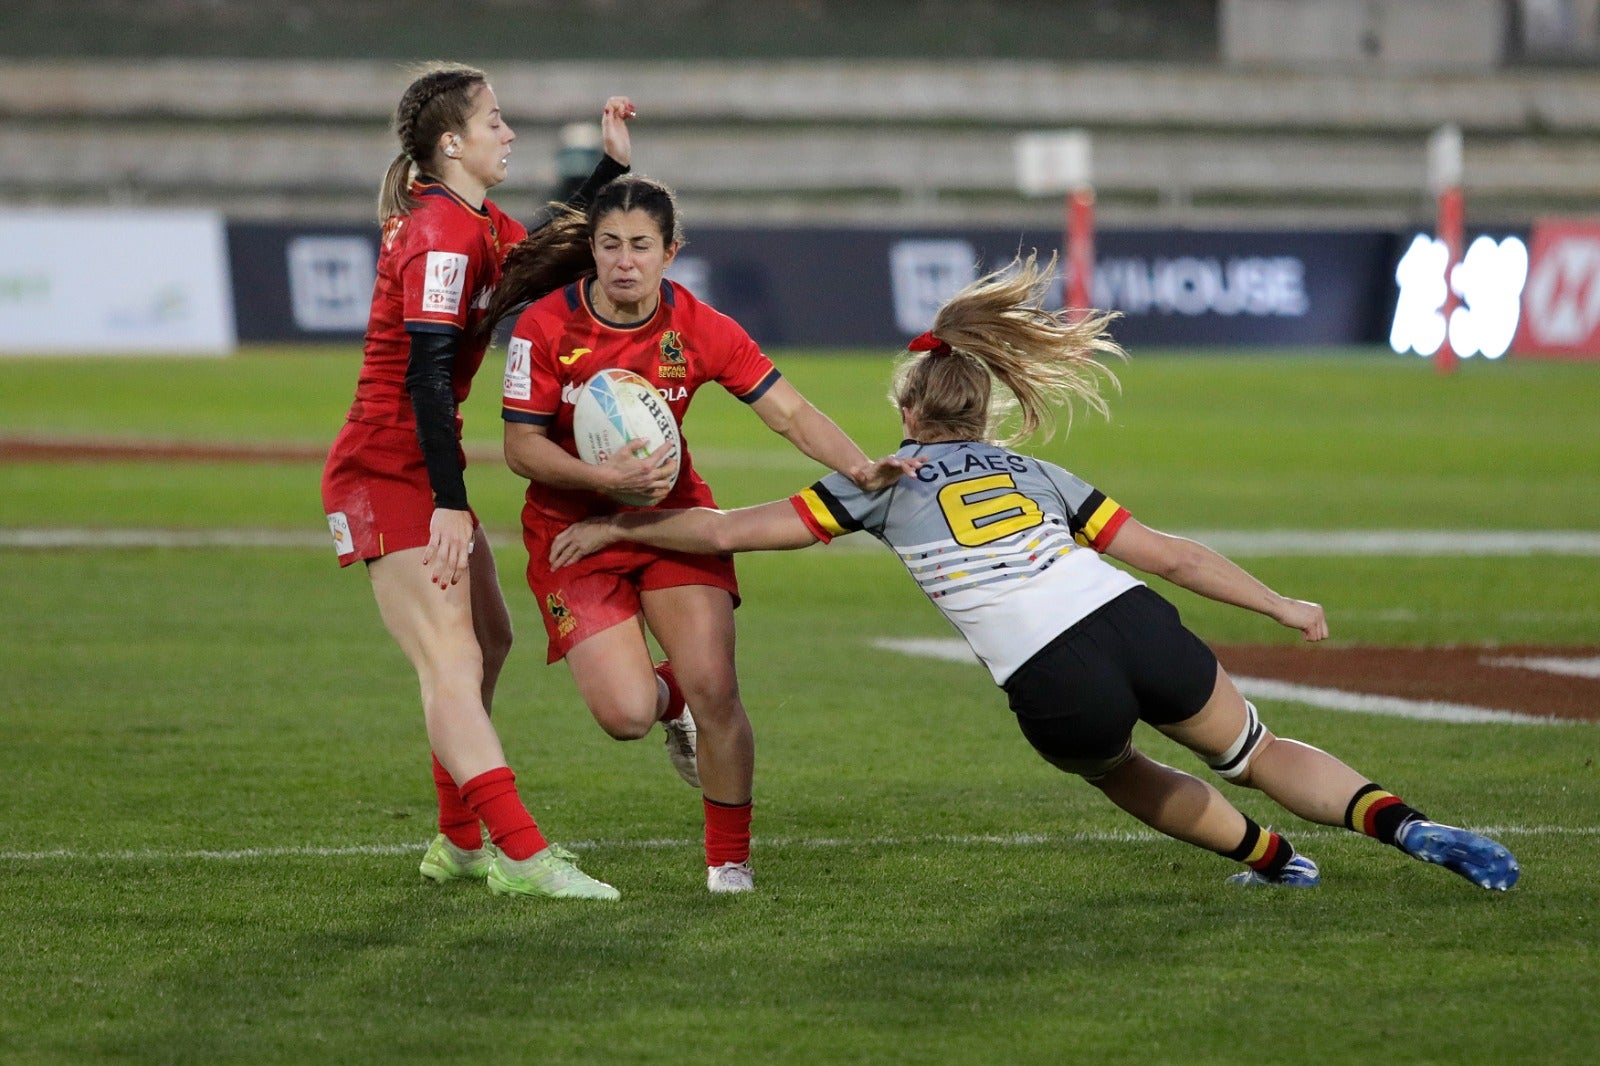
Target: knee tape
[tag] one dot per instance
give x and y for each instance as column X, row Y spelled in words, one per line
column 1232, row 764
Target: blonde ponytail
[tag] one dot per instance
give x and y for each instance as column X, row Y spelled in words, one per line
column 998, row 331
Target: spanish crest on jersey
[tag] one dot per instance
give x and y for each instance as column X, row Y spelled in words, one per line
column 673, row 364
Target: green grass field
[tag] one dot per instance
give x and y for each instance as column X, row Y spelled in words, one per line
column 217, row 790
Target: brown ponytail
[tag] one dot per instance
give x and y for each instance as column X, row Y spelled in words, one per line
column 556, row 254
column 438, row 101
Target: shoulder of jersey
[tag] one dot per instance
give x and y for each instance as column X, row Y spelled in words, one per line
column 683, row 299
column 502, row 221
column 435, row 216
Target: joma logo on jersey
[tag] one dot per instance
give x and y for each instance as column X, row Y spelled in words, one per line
column 673, row 365
column 565, row 620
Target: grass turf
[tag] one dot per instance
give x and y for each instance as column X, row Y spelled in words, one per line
column 186, row 729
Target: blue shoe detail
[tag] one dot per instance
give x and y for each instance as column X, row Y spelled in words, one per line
column 1298, row 872
column 1484, row 862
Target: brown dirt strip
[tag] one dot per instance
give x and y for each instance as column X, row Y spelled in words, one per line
column 93, row 449
column 43, row 449
column 1459, row 674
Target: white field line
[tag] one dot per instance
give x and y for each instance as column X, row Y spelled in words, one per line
column 1281, row 542
column 953, row 649
column 1419, row 542
column 1334, row 699
column 999, row 840
column 1554, row 665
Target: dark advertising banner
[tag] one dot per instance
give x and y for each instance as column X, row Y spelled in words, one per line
column 837, row 287
column 829, row 288
column 302, row 283
column 1245, row 288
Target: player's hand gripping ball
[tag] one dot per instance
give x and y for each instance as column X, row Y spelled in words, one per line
column 616, row 410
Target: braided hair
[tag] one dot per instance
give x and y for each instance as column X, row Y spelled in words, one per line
column 438, row 101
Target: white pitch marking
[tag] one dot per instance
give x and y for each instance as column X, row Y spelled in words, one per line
column 1419, row 542
column 1553, row 664
column 945, row 649
column 1281, row 542
column 957, row 840
column 1334, row 699
column 952, row 649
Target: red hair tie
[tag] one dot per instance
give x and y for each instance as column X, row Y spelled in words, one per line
column 927, row 342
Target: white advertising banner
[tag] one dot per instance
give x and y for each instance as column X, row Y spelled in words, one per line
column 114, row 282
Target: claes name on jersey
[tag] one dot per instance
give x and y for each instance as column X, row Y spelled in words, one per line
column 950, row 468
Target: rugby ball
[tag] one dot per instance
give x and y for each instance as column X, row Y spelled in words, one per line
column 618, row 409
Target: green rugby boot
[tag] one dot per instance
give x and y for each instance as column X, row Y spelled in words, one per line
column 444, row 862
column 546, row 874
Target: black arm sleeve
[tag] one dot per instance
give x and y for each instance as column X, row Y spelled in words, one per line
column 432, row 398
column 604, row 171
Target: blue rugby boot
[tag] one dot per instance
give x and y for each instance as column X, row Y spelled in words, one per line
column 1298, row 872
column 1484, row 862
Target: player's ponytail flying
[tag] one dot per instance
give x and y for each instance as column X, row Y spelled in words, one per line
column 997, row 330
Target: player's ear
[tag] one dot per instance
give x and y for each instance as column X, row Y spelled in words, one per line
column 672, row 253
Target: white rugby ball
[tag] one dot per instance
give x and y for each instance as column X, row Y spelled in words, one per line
column 618, row 409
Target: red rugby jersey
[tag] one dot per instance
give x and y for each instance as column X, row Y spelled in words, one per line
column 560, row 342
column 436, row 270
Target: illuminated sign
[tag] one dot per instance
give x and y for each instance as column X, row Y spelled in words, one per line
column 1488, row 284
column 1561, row 314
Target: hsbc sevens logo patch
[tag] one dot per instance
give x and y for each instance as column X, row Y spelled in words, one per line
column 519, row 372
column 445, row 279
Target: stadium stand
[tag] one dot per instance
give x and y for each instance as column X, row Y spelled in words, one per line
column 1190, row 140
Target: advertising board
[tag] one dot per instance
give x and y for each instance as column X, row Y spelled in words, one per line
column 114, row 282
column 1561, row 301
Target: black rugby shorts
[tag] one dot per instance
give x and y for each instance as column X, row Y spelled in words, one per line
column 1131, row 660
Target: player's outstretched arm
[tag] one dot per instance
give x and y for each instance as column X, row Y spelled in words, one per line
column 1200, row 569
column 797, row 420
column 701, row 530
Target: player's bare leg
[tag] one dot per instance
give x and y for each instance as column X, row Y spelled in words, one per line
column 1304, row 780
column 694, row 624
column 616, row 678
column 1178, row 804
column 1320, row 788
column 491, row 618
column 1186, row 808
column 434, row 627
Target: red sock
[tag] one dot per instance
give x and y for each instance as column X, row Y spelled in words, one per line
column 674, row 693
column 727, row 832
column 456, row 820
column 492, row 795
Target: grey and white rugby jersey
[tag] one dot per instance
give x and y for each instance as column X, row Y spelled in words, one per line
column 1007, row 546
